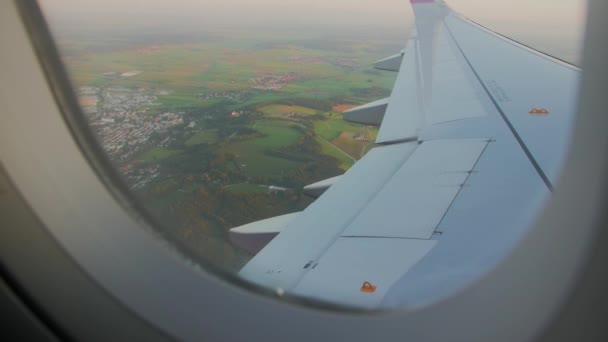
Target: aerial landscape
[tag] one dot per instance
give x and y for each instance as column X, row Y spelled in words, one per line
column 212, row 130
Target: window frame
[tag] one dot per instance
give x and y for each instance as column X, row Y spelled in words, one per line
column 75, row 197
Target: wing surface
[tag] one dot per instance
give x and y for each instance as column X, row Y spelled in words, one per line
column 471, row 142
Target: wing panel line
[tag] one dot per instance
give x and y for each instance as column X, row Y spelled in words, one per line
column 381, row 237
column 539, row 170
column 463, row 183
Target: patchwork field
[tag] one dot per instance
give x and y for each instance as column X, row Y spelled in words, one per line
column 352, row 143
column 189, row 69
column 277, row 134
column 245, row 188
column 204, row 137
column 254, row 163
column 246, row 112
column 332, row 128
column 159, row 153
column 345, row 161
column 279, row 110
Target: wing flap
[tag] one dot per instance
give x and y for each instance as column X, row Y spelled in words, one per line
column 414, row 201
column 280, row 264
column 342, row 273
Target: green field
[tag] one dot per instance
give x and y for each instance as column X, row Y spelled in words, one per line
column 159, row 153
column 171, row 197
column 328, row 149
column 245, row 188
column 281, row 110
column 277, row 134
column 253, row 161
column 204, row 137
column 332, row 128
column 180, row 100
column 250, row 153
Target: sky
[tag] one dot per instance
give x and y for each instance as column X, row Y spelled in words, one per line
column 554, row 26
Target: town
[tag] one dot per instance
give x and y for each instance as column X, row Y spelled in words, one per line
column 121, row 120
column 274, row 81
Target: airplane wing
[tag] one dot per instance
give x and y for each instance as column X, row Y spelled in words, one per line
column 470, row 145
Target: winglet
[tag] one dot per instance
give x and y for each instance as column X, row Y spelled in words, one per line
column 368, row 114
column 254, row 236
column 392, row 63
column 317, row 189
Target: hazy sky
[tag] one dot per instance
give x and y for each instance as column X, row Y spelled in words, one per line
column 551, row 11
column 553, row 25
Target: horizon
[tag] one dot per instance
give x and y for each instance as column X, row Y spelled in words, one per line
column 554, row 27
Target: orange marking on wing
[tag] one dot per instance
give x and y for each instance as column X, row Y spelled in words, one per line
column 538, row 111
column 367, row 287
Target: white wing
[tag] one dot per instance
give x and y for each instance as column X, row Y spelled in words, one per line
column 471, row 140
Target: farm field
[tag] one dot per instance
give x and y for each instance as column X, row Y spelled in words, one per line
column 352, row 143
column 334, row 126
column 254, row 162
column 159, row 153
column 203, row 137
column 277, row 134
column 245, row 188
column 279, row 110
column 345, row 161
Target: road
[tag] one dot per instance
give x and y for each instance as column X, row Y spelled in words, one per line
column 337, row 148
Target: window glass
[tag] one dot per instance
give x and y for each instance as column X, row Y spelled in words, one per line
column 218, row 113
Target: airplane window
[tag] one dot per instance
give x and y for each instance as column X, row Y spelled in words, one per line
column 262, row 139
